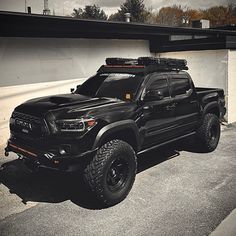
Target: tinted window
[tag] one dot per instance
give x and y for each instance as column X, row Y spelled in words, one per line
column 161, row 85
column 180, row 86
column 113, row 85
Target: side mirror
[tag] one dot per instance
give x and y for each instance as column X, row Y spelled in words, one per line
column 153, row 95
column 188, row 92
column 72, row 90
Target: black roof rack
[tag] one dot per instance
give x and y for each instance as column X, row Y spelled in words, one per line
column 121, row 61
column 158, row 63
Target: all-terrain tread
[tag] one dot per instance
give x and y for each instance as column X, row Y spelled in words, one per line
column 203, row 131
column 94, row 171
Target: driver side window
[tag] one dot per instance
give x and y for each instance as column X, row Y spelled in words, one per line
column 160, row 85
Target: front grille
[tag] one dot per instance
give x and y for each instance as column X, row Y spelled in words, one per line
column 26, row 117
column 28, row 125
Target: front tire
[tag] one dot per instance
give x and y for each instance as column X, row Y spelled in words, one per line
column 111, row 173
column 208, row 134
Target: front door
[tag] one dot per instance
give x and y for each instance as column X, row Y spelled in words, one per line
column 159, row 113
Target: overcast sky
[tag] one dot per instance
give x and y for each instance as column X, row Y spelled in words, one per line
column 65, row 7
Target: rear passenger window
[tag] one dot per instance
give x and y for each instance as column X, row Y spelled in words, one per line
column 161, row 85
column 180, row 86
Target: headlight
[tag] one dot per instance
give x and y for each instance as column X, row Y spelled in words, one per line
column 75, row 125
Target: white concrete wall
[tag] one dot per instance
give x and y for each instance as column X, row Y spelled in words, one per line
column 210, row 69
column 33, row 67
column 232, row 86
column 26, row 60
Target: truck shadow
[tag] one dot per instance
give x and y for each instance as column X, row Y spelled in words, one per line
column 56, row 188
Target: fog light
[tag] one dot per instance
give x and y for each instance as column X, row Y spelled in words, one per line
column 62, row 151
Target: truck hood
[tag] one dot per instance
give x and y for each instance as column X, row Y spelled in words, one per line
column 67, row 105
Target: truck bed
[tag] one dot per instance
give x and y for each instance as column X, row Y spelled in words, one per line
column 206, row 95
column 201, row 92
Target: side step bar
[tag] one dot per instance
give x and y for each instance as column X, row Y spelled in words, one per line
column 167, row 142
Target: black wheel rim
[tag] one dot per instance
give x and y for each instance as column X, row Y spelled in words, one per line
column 213, row 133
column 117, row 174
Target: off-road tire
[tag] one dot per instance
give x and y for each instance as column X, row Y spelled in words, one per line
column 97, row 172
column 208, row 134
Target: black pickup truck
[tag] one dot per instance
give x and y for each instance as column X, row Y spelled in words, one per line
column 129, row 107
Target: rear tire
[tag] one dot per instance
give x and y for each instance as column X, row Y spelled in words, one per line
column 111, row 173
column 208, row 134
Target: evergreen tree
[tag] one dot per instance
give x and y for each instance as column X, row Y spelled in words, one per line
column 90, row 12
column 136, row 8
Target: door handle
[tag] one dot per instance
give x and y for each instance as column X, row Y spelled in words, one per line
column 147, row 108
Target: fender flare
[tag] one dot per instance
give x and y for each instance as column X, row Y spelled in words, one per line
column 116, row 127
column 210, row 106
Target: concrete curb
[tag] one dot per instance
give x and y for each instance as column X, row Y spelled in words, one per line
column 227, row 227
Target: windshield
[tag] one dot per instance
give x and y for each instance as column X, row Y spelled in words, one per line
column 113, row 85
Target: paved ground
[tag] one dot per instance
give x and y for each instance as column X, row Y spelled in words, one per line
column 188, row 193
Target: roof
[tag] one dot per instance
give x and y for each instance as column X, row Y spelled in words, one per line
column 231, row 27
column 40, row 26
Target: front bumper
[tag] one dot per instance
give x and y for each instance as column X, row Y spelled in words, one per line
column 38, row 159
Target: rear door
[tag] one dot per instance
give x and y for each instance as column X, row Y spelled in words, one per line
column 186, row 103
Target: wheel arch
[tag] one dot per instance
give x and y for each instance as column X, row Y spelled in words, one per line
column 126, row 130
column 212, row 108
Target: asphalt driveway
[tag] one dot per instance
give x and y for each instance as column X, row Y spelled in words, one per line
column 177, row 191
